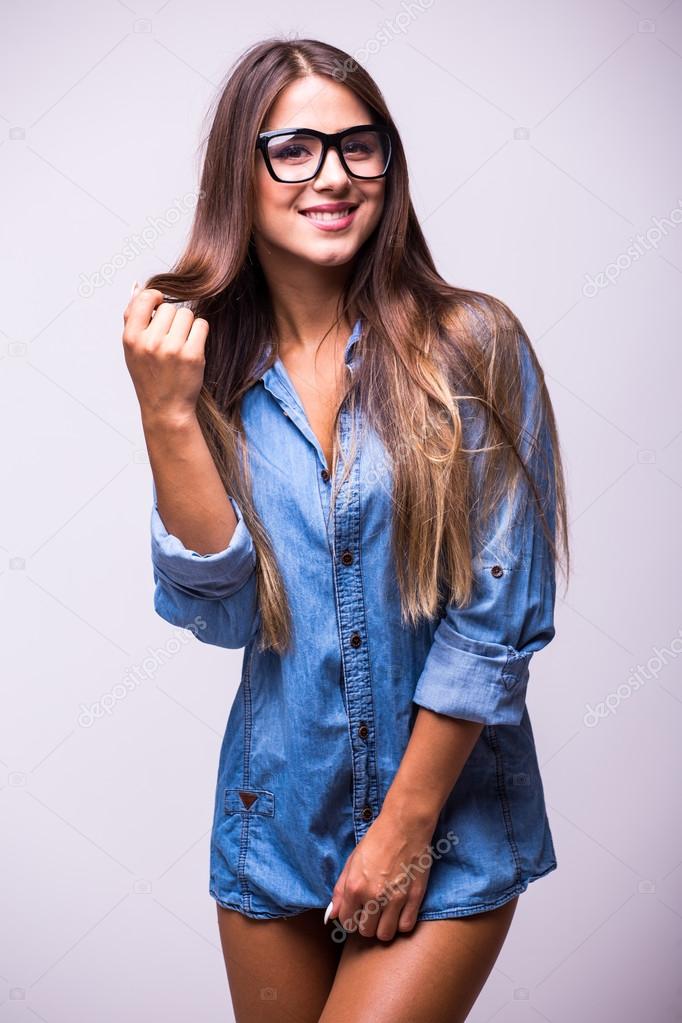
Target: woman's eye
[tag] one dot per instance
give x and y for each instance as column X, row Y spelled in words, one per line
column 357, row 149
column 291, row 153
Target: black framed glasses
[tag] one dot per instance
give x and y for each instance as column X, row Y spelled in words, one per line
column 296, row 154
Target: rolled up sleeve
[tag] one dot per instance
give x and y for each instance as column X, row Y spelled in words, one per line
column 202, row 575
column 478, row 665
column 213, row 595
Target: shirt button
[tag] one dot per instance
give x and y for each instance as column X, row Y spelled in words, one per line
column 347, row 557
column 363, row 730
column 325, row 475
column 355, row 639
column 366, row 813
column 497, row 571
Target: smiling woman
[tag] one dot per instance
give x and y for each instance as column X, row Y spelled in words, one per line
column 357, row 478
column 315, row 175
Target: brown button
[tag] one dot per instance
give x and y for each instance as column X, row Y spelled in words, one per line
column 367, row 813
column 347, row 557
column 355, row 639
column 325, row 475
column 497, row 571
column 363, row 730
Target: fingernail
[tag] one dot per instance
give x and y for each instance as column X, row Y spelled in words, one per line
column 136, row 287
column 328, row 910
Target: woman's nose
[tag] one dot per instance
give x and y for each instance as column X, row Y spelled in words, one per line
column 332, row 170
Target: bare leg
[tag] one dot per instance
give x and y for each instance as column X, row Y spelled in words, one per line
column 431, row 974
column 278, row 971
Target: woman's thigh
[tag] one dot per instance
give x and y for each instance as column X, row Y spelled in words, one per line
column 431, row 974
column 278, row 970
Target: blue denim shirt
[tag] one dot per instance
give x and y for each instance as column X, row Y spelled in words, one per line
column 315, row 737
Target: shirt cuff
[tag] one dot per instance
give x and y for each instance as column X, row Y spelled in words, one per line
column 471, row 679
column 214, row 576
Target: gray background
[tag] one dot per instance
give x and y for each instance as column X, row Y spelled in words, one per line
column 563, row 146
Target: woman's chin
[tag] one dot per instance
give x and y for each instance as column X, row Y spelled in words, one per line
column 322, row 252
column 328, row 253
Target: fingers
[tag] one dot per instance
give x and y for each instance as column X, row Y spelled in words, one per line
column 186, row 333
column 387, row 924
column 139, row 310
column 368, row 918
column 148, row 314
column 161, row 323
column 382, row 917
column 135, row 289
column 408, row 913
column 196, row 339
column 173, row 323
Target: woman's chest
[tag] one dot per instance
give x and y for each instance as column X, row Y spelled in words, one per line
column 290, row 473
column 317, row 388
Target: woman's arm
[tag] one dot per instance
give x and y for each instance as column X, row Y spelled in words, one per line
column 213, row 595
column 203, row 564
column 164, row 352
column 190, row 496
column 203, row 555
column 438, row 749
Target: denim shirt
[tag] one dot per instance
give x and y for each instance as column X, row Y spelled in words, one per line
column 314, row 737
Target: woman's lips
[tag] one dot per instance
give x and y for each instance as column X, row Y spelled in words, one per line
column 327, row 222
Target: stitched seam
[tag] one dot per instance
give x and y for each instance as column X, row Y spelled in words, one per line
column 504, row 799
column 244, row 834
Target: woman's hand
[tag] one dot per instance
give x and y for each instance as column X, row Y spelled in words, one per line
column 383, row 882
column 164, row 353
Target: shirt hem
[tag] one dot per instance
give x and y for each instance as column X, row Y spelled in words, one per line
column 256, row 915
column 439, row 914
column 482, row 907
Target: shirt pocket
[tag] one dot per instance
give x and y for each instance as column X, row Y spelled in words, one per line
column 249, row 801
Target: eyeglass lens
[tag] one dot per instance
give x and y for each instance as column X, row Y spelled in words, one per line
column 297, row 156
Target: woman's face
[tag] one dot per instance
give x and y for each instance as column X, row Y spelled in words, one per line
column 279, row 225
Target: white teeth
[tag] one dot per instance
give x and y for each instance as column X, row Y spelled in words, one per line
column 317, row 215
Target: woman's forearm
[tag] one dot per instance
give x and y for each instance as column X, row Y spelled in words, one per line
column 191, row 498
column 438, row 748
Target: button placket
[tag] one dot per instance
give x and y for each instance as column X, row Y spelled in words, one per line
column 353, row 631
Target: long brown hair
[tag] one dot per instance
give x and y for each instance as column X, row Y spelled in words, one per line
column 427, row 348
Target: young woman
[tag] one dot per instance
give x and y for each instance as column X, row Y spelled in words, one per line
column 357, row 478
